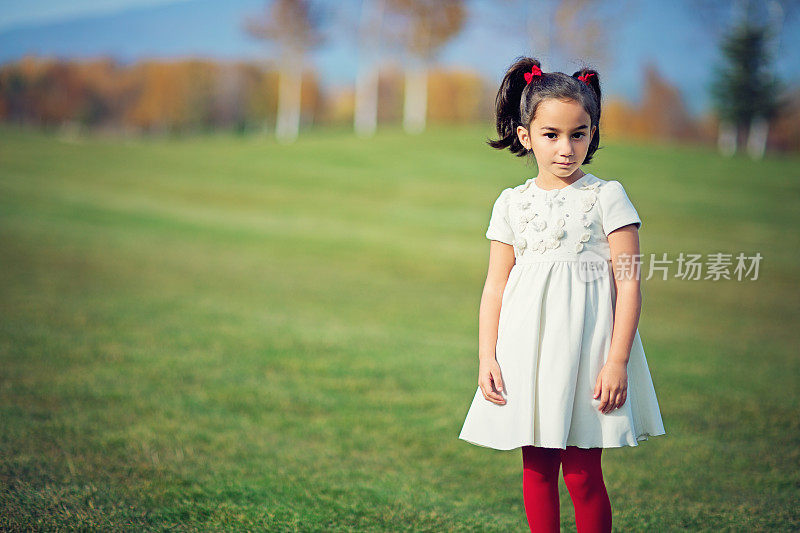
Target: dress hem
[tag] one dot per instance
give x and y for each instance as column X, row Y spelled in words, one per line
column 641, row 437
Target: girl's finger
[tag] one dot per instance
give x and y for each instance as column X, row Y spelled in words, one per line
column 604, row 407
column 490, row 395
column 597, row 387
column 615, row 402
column 612, row 401
column 498, row 381
column 607, row 405
column 621, row 401
column 604, row 400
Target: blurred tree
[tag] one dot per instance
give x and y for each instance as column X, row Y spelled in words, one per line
column 148, row 96
column 421, row 28
column 617, row 119
column 261, row 95
column 108, row 89
column 47, row 92
column 365, row 114
column 390, row 90
column 584, row 28
column 172, row 96
column 662, row 114
column 294, row 27
column 745, row 90
column 785, row 130
column 457, row 96
column 228, row 102
column 576, row 32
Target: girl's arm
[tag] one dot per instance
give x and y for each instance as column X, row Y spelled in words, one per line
column 611, row 387
column 501, row 260
column 624, row 245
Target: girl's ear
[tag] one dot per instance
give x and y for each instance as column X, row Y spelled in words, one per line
column 524, row 137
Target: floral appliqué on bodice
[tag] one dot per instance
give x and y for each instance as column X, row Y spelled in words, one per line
column 530, row 209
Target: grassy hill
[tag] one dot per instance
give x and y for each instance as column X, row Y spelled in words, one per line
column 226, row 333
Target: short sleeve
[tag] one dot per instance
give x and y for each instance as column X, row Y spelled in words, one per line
column 499, row 225
column 617, row 208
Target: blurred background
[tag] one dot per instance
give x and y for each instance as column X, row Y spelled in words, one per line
column 242, row 252
column 669, row 70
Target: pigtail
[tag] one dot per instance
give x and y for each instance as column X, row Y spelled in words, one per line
column 508, row 103
column 591, row 79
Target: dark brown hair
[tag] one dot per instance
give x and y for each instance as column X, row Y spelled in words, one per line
column 517, row 101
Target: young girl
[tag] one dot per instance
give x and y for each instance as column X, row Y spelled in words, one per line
column 562, row 371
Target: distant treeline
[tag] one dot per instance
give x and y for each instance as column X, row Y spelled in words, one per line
column 200, row 95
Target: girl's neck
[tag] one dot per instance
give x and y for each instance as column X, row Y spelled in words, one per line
column 549, row 181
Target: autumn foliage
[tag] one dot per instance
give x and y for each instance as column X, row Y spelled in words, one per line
column 197, row 95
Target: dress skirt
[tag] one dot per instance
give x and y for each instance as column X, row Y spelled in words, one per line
column 550, row 361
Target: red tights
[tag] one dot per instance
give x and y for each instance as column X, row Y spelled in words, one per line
column 584, row 479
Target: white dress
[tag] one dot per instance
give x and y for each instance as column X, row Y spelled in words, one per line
column 555, row 324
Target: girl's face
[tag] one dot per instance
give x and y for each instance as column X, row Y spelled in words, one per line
column 559, row 133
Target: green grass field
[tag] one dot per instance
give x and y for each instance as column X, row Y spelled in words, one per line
column 226, row 333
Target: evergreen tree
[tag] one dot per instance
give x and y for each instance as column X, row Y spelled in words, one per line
column 745, row 92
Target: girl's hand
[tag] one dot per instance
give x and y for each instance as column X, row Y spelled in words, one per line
column 490, row 381
column 612, row 383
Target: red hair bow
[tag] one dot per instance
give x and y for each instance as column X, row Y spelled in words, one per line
column 535, row 71
column 585, row 77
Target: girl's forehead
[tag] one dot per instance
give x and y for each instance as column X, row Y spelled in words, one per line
column 567, row 113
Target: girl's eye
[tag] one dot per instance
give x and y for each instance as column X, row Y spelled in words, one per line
column 579, row 134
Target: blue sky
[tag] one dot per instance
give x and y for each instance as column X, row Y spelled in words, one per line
column 668, row 34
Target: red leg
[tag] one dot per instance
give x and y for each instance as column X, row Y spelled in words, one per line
column 540, row 488
column 583, row 476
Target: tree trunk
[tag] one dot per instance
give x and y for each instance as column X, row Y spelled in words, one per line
column 415, row 107
column 288, row 121
column 365, row 114
column 757, row 137
column 366, row 104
